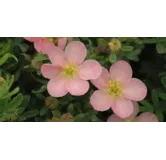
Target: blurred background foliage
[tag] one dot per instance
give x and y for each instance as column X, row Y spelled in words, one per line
column 23, row 93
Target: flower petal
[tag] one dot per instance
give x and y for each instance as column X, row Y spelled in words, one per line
column 57, row 87
column 76, row 52
column 49, row 71
column 44, row 45
column 32, row 39
column 102, row 81
column 147, row 117
column 135, row 112
column 57, row 56
column 123, row 108
column 121, row 71
column 39, row 45
column 114, row 118
column 47, row 45
column 100, row 101
column 62, row 42
column 77, row 86
column 135, row 90
column 90, row 69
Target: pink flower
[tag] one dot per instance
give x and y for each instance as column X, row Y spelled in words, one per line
column 143, row 117
column 68, row 72
column 117, row 90
column 44, row 44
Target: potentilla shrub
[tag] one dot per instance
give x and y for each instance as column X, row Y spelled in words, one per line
column 83, row 79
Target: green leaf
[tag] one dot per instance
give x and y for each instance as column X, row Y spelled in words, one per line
column 4, row 59
column 17, row 41
column 30, row 114
column 135, row 52
column 27, row 57
column 163, row 81
column 102, row 42
column 76, row 38
column 122, row 39
column 138, row 41
column 112, row 58
column 17, row 75
column 94, row 118
column 40, row 96
column 41, row 90
column 23, row 47
column 40, row 57
column 155, row 98
column 13, row 92
column 43, row 111
column 161, row 48
column 3, row 91
column 162, row 95
column 70, row 108
column 162, row 106
column 146, row 105
column 10, row 81
column 127, row 38
column 83, row 117
column 3, row 104
column 145, row 109
column 127, row 48
column 24, row 104
column 84, row 38
column 133, row 58
column 160, row 116
column 56, row 113
column 16, row 101
column 154, row 40
column 39, row 80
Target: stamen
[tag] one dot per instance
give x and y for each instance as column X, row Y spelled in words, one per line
column 114, row 88
column 70, row 70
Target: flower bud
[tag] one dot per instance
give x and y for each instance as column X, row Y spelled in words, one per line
column 67, row 117
column 51, row 102
column 35, row 64
column 54, row 119
column 115, row 45
column 13, row 118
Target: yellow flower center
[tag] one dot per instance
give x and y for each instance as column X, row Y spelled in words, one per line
column 114, row 88
column 70, row 70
